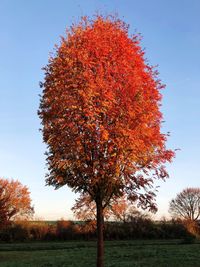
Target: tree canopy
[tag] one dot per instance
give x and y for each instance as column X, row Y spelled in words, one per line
column 15, row 201
column 186, row 204
column 100, row 114
column 100, row 111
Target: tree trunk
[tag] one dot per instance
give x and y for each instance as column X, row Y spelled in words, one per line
column 100, row 241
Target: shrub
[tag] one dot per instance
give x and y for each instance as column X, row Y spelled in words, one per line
column 65, row 230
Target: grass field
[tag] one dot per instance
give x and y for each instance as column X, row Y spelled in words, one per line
column 117, row 254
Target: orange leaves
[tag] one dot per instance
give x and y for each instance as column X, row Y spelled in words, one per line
column 15, row 200
column 100, row 104
column 85, row 209
column 105, row 135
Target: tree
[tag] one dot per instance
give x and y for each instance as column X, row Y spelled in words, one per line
column 119, row 209
column 15, row 201
column 84, row 209
column 101, row 120
column 186, row 205
column 123, row 210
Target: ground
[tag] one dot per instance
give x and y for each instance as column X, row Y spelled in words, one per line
column 171, row 253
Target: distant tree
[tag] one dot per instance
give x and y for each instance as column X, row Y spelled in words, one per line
column 15, row 201
column 118, row 209
column 101, row 119
column 3, row 202
column 122, row 209
column 186, row 205
column 84, row 209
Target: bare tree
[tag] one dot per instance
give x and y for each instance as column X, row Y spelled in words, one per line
column 186, row 205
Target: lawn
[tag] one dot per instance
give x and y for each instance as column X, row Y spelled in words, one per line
column 117, row 254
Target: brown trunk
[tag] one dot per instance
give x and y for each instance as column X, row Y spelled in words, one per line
column 100, row 241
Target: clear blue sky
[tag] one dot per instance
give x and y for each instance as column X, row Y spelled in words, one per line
column 29, row 30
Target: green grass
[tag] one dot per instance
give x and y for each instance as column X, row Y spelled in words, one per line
column 117, row 254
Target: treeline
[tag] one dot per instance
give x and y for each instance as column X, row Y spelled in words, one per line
column 138, row 228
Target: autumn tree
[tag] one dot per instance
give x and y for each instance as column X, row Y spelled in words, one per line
column 119, row 209
column 84, row 209
column 186, row 205
column 122, row 210
column 101, row 119
column 15, row 201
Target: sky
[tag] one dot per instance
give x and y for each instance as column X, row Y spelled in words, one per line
column 30, row 29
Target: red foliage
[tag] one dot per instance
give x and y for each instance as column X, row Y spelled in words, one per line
column 100, row 111
column 100, row 115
